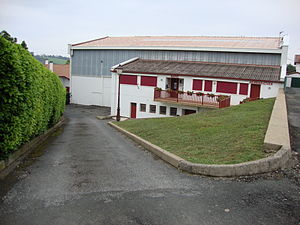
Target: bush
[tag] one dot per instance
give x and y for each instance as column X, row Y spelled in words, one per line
column 32, row 98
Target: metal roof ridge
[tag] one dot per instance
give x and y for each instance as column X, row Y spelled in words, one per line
column 97, row 39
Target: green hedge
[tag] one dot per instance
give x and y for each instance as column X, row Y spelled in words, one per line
column 32, row 98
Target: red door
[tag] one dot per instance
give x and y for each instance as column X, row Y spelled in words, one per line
column 255, row 91
column 133, row 110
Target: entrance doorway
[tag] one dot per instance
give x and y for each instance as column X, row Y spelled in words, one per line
column 175, row 84
column 255, row 91
column 132, row 110
column 295, row 82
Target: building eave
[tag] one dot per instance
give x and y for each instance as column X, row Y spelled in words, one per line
column 207, row 49
column 197, row 75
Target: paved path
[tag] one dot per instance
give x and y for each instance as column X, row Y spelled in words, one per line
column 91, row 174
column 293, row 105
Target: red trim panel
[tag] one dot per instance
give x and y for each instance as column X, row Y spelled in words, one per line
column 128, row 79
column 197, row 85
column 203, row 76
column 148, row 81
column 208, row 85
column 226, row 87
column 244, row 89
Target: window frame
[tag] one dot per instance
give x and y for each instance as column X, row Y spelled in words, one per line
column 142, row 104
column 175, row 111
column 165, row 107
column 150, row 107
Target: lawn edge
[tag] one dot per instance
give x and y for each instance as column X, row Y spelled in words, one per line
column 264, row 165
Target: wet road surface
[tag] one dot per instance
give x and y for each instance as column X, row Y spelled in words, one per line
column 90, row 174
column 293, row 105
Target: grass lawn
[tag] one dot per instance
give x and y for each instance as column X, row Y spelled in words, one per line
column 57, row 60
column 222, row 136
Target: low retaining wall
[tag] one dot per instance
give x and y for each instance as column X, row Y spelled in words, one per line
column 277, row 134
column 271, row 163
column 6, row 166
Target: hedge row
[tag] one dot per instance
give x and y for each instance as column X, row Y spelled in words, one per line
column 32, row 98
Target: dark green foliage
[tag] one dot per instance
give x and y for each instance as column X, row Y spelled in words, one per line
column 290, row 68
column 24, row 45
column 32, row 98
column 7, row 36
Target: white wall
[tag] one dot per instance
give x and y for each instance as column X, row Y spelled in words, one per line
column 91, row 90
column 143, row 94
column 289, row 79
column 270, row 91
column 297, row 67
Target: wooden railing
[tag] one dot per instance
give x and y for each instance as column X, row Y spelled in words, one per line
column 189, row 98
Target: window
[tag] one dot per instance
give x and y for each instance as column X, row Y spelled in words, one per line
column 143, row 107
column 208, row 85
column 152, row 108
column 197, row 85
column 227, row 87
column 128, row 79
column 243, row 89
column 163, row 110
column 148, row 81
column 173, row 111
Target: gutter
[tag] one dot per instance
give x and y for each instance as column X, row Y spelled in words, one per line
column 123, row 63
column 166, row 48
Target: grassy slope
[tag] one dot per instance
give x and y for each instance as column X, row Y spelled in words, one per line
column 57, row 60
column 223, row 136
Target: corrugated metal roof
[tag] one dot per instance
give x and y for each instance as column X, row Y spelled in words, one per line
column 204, row 69
column 185, row 41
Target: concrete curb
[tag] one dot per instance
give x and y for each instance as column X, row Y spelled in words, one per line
column 271, row 163
column 6, row 166
column 277, row 134
column 104, row 117
column 174, row 160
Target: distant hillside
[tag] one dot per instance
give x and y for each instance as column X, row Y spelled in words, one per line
column 56, row 59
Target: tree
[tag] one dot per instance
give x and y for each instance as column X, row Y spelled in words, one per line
column 290, row 68
column 7, row 36
column 68, row 61
column 24, row 45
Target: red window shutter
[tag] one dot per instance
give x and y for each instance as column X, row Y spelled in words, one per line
column 149, row 81
column 208, row 85
column 128, row 79
column 227, row 87
column 243, row 89
column 197, row 85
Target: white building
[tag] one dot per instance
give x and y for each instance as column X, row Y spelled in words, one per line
column 293, row 79
column 160, row 88
column 297, row 63
column 91, row 61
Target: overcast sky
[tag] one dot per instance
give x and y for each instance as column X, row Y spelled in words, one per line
column 49, row 26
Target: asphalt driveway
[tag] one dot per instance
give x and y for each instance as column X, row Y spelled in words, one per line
column 90, row 174
column 293, row 105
